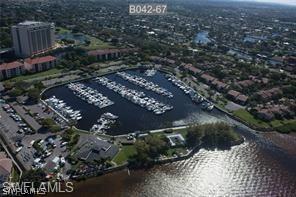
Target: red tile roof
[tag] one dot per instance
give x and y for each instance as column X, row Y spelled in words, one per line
column 291, row 60
column 170, row 61
column 6, row 164
column 219, row 84
column 190, row 67
column 233, row 93
column 269, row 93
column 269, row 111
column 246, row 83
column 277, row 58
column 10, row 65
column 2, row 155
column 265, row 114
column 40, row 60
column 163, row 60
column 242, row 98
column 207, row 77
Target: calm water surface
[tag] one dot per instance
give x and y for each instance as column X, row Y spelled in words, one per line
column 133, row 117
column 202, row 37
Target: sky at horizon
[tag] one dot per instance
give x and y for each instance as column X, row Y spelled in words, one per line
column 285, row 2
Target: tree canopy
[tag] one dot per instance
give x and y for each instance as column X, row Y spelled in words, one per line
column 50, row 124
column 215, row 135
column 148, row 149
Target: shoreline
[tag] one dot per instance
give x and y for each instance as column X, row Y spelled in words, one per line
column 189, row 154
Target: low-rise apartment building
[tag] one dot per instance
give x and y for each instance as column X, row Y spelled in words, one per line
column 109, row 54
column 39, row 64
column 12, row 69
column 16, row 68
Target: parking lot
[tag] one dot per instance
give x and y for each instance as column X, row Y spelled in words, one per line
column 29, row 119
column 54, row 81
column 14, row 131
column 21, row 137
column 41, row 112
column 50, row 154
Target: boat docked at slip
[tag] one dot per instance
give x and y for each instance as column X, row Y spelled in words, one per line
column 195, row 97
column 110, row 116
column 103, row 123
column 185, row 88
column 148, row 85
column 207, row 105
column 136, row 97
column 61, row 107
column 150, row 72
column 90, row 95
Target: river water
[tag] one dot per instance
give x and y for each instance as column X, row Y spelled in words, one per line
column 254, row 168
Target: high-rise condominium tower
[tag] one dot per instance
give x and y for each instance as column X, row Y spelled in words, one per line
column 31, row 37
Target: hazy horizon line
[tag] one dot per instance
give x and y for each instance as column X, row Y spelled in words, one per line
column 281, row 2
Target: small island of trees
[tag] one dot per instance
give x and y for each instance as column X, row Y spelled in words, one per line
column 151, row 148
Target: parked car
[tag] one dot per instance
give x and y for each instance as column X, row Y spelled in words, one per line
column 18, row 149
column 64, row 144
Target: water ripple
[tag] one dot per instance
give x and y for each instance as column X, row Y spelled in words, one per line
column 254, row 168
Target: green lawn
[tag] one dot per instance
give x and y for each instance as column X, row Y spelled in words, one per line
column 183, row 132
column 96, row 43
column 123, row 155
column 36, row 75
column 14, row 174
column 249, row 118
column 277, row 123
column 179, row 150
column 62, row 30
column 285, row 126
